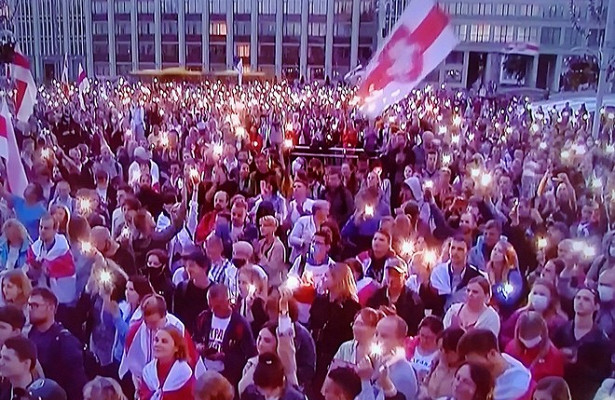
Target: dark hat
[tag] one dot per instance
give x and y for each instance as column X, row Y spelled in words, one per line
column 46, row 389
column 197, row 255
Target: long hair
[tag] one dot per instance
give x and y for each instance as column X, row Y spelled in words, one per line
column 533, row 323
column 554, row 307
column 483, row 380
column 344, row 284
column 555, row 386
column 181, row 352
column 13, row 222
column 511, row 262
column 19, row 278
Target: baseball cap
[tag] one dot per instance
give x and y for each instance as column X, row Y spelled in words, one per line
column 397, row 264
column 45, row 389
column 197, row 255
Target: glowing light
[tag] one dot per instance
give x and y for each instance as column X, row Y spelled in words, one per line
column 289, row 127
column 194, row 174
column 105, row 277
column 429, row 256
column 87, row 247
column 457, row 120
column 428, row 184
column 85, row 204
column 407, row 247
column 578, row 246
column 535, row 128
column 292, row 282
column 251, row 289
column 475, row 172
column 375, row 349
column 46, row 153
column 125, row 232
column 596, row 183
column 443, row 130
column 542, row 146
column 610, row 149
column 240, row 131
column 455, row 139
column 507, row 289
column 542, row 242
column 589, row 251
column 565, row 154
column 485, row 180
column 509, row 130
column 369, row 211
column 128, row 132
column 288, row 143
column 217, row 149
column 164, row 140
column 446, row 159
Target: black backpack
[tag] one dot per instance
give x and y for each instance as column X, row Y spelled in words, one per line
column 91, row 363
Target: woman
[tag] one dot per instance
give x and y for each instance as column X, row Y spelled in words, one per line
column 251, row 301
column 474, row 313
column 552, row 269
column 361, row 227
column 272, row 253
column 552, row 388
column 422, row 350
column 331, row 317
column 270, row 381
column 16, row 288
column 472, row 382
column 168, row 376
column 270, row 192
column 61, row 215
column 158, row 274
column 363, row 331
column 101, row 388
column 505, row 278
column 366, row 286
column 438, row 383
column 374, row 180
column 534, row 349
column 213, row 386
column 330, row 228
column 29, row 209
column 14, row 244
column 543, row 298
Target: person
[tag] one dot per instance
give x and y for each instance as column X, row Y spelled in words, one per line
column 395, row 377
column 270, row 192
column 50, row 262
column 366, row 286
column 533, row 347
column 28, row 209
column 59, row 352
column 331, row 317
column 213, row 386
column 16, row 289
column 363, row 331
column 480, row 254
column 270, row 381
column 14, row 244
column 243, row 254
column 474, row 313
column 605, row 318
column 422, row 350
column 587, row 349
column 604, row 261
column 552, row 388
column 305, row 228
column 224, row 338
column 18, row 361
column 168, row 376
column 339, row 196
column 543, row 298
column 449, row 279
column 507, row 283
column 374, row 259
column 190, row 297
column 272, row 253
column 512, row 379
column 472, row 382
column 395, row 294
column 103, row 388
column 221, row 267
column 342, row 383
column 300, row 205
column 111, row 249
column 157, row 273
column 251, row 301
column 437, row 383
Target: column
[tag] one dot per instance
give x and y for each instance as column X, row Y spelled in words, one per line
column 254, row 35
column 381, row 21
column 466, row 64
column 157, row 34
column 134, row 35
column 230, row 46
column 303, row 45
column 65, row 28
column 329, row 39
column 181, row 31
column 89, row 51
column 354, row 36
column 37, row 57
column 533, row 72
column 279, row 25
column 205, row 36
column 488, row 68
column 111, row 35
column 557, row 71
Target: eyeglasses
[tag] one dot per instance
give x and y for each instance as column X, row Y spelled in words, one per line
column 35, row 306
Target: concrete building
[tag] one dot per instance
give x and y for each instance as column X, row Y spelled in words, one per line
column 293, row 38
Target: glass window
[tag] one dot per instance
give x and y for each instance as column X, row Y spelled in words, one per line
column 317, row 29
column 122, row 27
column 194, row 6
column 292, row 7
column 217, row 6
column 266, row 28
column 267, row 6
column 169, row 7
column 318, row 7
column 292, row 29
column 242, row 7
column 550, row 36
column 455, row 57
column 217, row 28
column 145, row 28
column 242, row 28
column 242, row 50
column 169, row 28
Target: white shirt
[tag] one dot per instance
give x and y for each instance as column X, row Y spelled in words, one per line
column 134, row 173
column 514, row 382
column 12, row 257
column 422, row 362
column 216, row 334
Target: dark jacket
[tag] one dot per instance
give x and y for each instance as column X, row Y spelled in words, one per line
column 305, row 354
column 61, row 357
column 290, row 393
column 188, row 302
column 342, row 203
column 237, row 346
column 409, row 306
column 258, row 312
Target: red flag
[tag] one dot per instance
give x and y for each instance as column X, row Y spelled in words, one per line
column 8, row 150
column 421, row 39
column 25, row 88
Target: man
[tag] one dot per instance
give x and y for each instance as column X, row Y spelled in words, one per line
column 221, row 267
column 300, row 205
column 59, row 352
column 480, row 254
column 341, row 384
column 62, row 196
column 243, row 252
column 430, row 172
column 224, row 338
column 50, row 262
column 374, row 259
column 450, row 279
column 301, row 234
column 395, row 373
column 605, row 318
column 339, row 196
column 12, row 321
column 261, row 172
column 124, row 192
column 207, row 223
column 190, row 297
column 142, row 159
column 241, row 229
column 18, row 362
column 395, row 294
column 110, row 249
column 141, row 334
column 513, row 381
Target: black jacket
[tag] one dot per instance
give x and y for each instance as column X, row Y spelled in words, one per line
column 409, row 306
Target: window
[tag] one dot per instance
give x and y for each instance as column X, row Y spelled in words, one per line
column 342, row 30
column 292, row 29
column 527, row 34
column 292, row 7
column 479, row 33
column 169, row 28
column 266, row 7
column 217, row 6
column 122, row 27
column 194, row 6
column 100, row 28
column 343, row 7
column 193, row 28
column 145, row 6
column 317, row 29
column 242, row 50
column 217, row 28
column 100, row 7
column 318, row 7
column 145, row 28
column 462, row 32
column 596, row 36
column 503, row 34
column 242, row 7
column 550, row 36
column 455, row 57
column 266, row 28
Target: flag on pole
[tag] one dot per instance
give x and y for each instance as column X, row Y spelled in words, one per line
column 17, row 179
column 65, row 70
column 522, row 48
column 25, row 87
column 83, row 83
column 420, row 40
column 239, row 69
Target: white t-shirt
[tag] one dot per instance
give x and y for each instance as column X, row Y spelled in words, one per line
column 422, row 362
column 12, row 257
column 216, row 334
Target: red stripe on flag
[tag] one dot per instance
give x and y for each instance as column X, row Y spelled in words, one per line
column 3, row 130
column 20, row 91
column 21, row 60
column 430, row 28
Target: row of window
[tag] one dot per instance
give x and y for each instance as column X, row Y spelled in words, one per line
column 552, row 11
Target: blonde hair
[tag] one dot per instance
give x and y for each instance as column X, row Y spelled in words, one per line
column 14, row 223
column 255, row 278
column 343, row 282
column 103, row 388
column 269, row 220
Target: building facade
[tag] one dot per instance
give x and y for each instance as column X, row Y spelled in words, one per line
column 291, row 38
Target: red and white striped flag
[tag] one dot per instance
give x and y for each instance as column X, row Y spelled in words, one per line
column 420, row 40
column 25, row 87
column 65, row 70
column 83, row 83
column 523, row 48
column 17, row 178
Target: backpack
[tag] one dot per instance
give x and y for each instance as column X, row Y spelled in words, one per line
column 91, row 363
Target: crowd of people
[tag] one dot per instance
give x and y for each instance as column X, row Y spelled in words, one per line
column 172, row 245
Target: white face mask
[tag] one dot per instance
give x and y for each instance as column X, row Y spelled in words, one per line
column 531, row 343
column 539, row 302
column 612, row 250
column 606, row 293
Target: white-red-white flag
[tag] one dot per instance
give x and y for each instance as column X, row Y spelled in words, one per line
column 420, row 40
column 83, row 83
column 65, row 70
column 25, row 87
column 16, row 173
